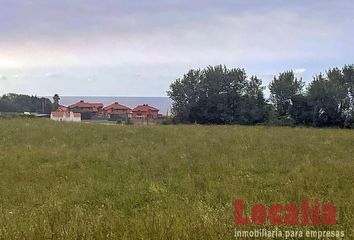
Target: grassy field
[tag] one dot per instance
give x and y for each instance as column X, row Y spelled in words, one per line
column 90, row 181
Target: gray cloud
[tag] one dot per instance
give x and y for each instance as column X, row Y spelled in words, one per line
column 244, row 38
column 51, row 75
column 162, row 39
column 300, row 70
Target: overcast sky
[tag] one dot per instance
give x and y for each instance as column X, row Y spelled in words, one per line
column 137, row 48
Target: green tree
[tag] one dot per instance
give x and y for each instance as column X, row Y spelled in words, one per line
column 254, row 104
column 283, row 89
column 184, row 94
column 301, row 111
column 348, row 75
column 218, row 95
column 56, row 104
column 23, row 103
column 331, row 97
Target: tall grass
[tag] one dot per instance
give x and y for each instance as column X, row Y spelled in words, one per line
column 88, row 181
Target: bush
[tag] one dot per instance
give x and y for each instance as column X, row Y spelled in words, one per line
column 167, row 121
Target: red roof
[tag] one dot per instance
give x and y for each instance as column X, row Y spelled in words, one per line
column 62, row 108
column 83, row 104
column 64, row 114
column 97, row 105
column 116, row 106
column 60, row 114
column 144, row 108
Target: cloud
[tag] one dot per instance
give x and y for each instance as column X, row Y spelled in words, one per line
column 50, row 75
column 300, row 70
column 160, row 40
column 211, row 39
column 2, row 77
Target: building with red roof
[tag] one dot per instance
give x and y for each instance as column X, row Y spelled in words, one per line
column 145, row 112
column 117, row 112
column 65, row 116
column 141, row 114
column 62, row 108
column 85, row 107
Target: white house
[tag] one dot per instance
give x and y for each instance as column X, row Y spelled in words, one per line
column 65, row 116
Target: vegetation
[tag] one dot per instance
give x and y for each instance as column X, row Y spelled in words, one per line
column 23, row 103
column 90, row 181
column 217, row 95
column 284, row 89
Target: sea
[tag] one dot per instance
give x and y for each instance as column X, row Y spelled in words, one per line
column 161, row 103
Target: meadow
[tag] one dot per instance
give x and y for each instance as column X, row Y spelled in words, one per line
column 91, row 181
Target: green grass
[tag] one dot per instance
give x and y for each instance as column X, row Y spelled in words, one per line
column 90, row 181
column 10, row 114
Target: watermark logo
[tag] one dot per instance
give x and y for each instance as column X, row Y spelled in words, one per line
column 305, row 213
column 286, row 221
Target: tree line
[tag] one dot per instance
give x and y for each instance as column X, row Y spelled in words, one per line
column 23, row 103
column 219, row 95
